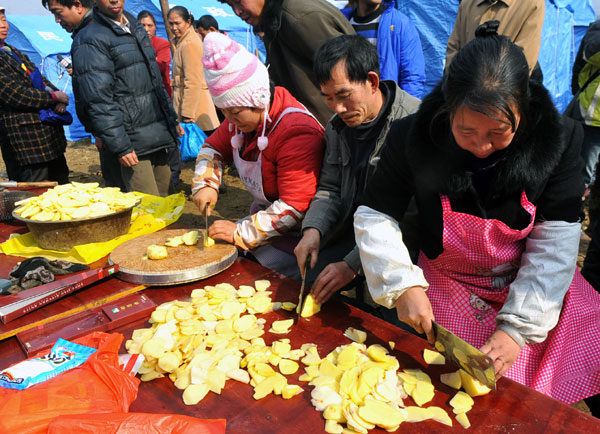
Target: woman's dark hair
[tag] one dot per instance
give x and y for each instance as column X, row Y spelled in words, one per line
column 146, row 14
column 489, row 75
column 360, row 55
column 182, row 12
column 207, row 21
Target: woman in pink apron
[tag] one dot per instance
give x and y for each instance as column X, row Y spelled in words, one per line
column 497, row 179
column 276, row 146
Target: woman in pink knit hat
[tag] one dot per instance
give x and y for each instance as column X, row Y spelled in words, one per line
column 277, row 148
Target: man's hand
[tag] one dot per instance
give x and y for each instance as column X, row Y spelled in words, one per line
column 129, row 160
column 60, row 108
column 204, row 196
column 99, row 143
column 503, row 350
column 61, row 97
column 308, row 246
column 180, row 130
column 222, row 230
column 188, row 121
column 333, row 278
column 413, row 308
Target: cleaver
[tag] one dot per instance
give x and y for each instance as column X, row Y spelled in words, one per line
column 465, row 356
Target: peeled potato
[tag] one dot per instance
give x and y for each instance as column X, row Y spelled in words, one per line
column 154, row 251
column 433, row 357
column 310, row 307
column 195, row 393
column 472, row 386
column 190, row 238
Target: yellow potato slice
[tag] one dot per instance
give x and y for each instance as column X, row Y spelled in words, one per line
column 245, row 291
column 452, row 379
column 288, row 305
column 169, row 361
column 174, row 241
column 264, row 388
column 433, row 357
column 382, row 415
column 155, row 252
column 439, row 415
column 262, row 285
column 291, row 390
column 154, row 347
column 461, row 399
column 195, row 393
column 463, row 420
column 310, row 308
column 288, row 367
column 472, row 386
column 416, row 414
column 378, row 353
column 190, row 238
column 282, row 326
column 356, row 335
column 332, row 427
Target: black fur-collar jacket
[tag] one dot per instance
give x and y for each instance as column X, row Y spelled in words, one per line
column 424, row 161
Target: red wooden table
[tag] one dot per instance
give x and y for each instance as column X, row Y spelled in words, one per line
column 512, row 408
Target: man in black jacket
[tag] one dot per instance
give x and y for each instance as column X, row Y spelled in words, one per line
column 73, row 15
column 120, row 97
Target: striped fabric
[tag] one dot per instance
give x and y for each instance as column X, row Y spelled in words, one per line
column 369, row 25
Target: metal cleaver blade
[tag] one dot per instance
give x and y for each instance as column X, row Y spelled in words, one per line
column 465, row 356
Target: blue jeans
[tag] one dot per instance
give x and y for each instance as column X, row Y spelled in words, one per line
column 590, row 150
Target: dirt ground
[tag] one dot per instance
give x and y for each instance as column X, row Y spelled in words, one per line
column 234, row 202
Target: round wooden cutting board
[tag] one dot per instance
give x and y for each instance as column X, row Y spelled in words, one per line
column 183, row 263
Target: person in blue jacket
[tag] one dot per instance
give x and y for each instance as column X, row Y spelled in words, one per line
column 397, row 41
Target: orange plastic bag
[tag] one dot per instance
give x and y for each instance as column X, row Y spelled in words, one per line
column 97, row 386
column 135, row 423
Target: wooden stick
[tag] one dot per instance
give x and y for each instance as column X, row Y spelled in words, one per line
column 78, row 309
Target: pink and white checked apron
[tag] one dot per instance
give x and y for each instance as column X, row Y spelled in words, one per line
column 469, row 283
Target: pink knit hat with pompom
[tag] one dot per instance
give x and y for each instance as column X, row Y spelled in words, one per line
column 235, row 78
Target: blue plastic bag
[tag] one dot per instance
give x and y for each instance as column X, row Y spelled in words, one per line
column 191, row 141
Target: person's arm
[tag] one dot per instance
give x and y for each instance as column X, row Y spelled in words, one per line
column 411, row 68
column 210, row 161
column 530, row 35
column 18, row 97
column 548, row 263
column 93, row 83
column 385, row 259
column 193, row 78
column 325, row 206
column 163, row 56
column 535, row 298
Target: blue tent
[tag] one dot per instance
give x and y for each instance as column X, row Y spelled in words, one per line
column 565, row 24
column 34, row 32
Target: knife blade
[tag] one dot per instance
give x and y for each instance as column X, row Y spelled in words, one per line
column 302, row 285
column 205, row 237
column 464, row 355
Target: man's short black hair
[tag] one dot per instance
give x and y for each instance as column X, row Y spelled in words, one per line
column 207, row 21
column 69, row 3
column 360, row 55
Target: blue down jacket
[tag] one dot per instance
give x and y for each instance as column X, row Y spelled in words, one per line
column 399, row 49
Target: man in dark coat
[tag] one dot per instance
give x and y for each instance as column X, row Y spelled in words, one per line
column 293, row 32
column 73, row 15
column 120, row 96
column 32, row 150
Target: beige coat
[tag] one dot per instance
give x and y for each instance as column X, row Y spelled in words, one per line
column 191, row 98
column 520, row 20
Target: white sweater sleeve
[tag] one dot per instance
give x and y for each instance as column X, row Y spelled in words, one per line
column 536, row 296
column 385, row 259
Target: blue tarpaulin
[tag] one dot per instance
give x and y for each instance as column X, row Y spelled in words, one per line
column 34, row 32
